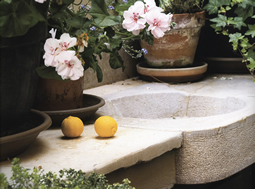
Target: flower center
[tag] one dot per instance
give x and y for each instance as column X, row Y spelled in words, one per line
column 64, row 45
column 135, row 16
column 156, row 22
column 52, row 51
column 146, row 9
column 69, row 64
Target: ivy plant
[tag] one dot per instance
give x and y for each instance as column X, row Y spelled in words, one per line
column 240, row 28
column 22, row 178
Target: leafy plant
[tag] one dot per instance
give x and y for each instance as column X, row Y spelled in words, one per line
column 90, row 23
column 240, row 28
column 93, row 20
column 181, row 6
column 22, row 178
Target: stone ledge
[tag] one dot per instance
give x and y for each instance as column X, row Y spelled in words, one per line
column 91, row 153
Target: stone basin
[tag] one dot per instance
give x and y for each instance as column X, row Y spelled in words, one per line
column 179, row 134
column 216, row 120
column 172, row 105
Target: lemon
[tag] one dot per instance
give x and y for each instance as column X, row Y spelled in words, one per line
column 105, row 126
column 72, row 127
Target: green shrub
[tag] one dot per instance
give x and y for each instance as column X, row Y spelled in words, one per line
column 22, row 179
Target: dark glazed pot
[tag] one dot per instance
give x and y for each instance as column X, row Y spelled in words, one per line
column 19, row 58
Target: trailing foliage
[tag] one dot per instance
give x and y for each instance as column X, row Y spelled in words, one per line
column 22, row 178
column 181, row 6
column 240, row 28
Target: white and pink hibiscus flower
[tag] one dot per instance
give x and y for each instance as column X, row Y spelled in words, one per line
column 58, row 55
column 136, row 17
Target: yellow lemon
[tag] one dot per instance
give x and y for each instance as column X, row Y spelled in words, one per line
column 72, row 127
column 105, row 126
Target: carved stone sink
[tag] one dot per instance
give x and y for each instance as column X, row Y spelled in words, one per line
column 216, row 118
column 172, row 105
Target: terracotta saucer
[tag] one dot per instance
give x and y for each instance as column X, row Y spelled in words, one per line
column 91, row 103
column 175, row 75
column 15, row 144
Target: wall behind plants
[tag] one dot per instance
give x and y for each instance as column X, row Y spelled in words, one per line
column 110, row 75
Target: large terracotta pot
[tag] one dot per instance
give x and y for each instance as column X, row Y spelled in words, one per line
column 53, row 94
column 177, row 47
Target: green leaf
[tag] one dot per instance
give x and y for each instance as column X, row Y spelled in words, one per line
column 221, row 20
column 234, row 38
column 121, row 7
column 251, row 31
column 48, row 73
column 116, row 42
column 238, row 23
column 18, row 17
column 212, row 6
column 244, row 12
column 116, row 61
column 251, row 64
column 101, row 16
column 251, row 52
column 244, row 44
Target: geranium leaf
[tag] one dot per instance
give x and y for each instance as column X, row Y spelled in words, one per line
column 116, row 61
column 48, row 73
column 102, row 17
column 17, row 17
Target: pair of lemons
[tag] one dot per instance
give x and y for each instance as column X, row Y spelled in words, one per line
column 105, row 126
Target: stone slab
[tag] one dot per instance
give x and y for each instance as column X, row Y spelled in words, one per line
column 216, row 145
column 91, row 153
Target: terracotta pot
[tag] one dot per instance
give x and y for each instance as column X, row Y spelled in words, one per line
column 14, row 144
column 177, row 47
column 54, row 94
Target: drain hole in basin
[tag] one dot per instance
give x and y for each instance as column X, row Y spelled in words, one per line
column 168, row 105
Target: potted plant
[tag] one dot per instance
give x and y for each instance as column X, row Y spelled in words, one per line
column 72, row 46
column 234, row 20
column 23, row 27
column 160, row 26
column 87, row 38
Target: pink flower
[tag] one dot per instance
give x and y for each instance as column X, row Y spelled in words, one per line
column 150, row 5
column 66, row 41
column 134, row 19
column 158, row 22
column 51, row 51
column 53, row 47
column 69, row 66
